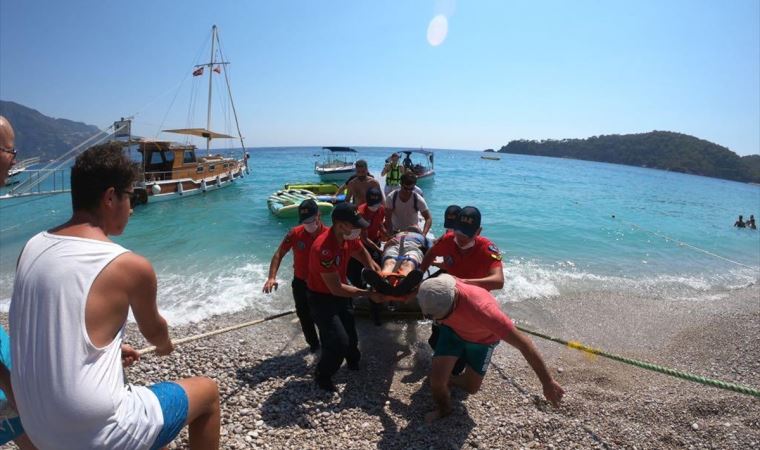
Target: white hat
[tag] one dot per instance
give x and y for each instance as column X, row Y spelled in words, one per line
column 436, row 296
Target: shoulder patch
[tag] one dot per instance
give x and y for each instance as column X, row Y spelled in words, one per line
column 493, row 249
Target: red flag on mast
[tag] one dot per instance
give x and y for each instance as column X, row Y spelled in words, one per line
column 198, row 71
column 218, row 69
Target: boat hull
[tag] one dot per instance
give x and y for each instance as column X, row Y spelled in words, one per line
column 164, row 190
column 335, row 174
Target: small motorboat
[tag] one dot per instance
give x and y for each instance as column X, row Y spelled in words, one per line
column 285, row 203
column 424, row 169
column 337, row 164
column 494, row 158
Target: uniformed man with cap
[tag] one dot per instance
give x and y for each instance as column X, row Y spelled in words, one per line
column 299, row 239
column 329, row 292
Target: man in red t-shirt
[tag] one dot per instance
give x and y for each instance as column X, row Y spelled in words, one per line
column 329, row 293
column 299, row 239
column 472, row 324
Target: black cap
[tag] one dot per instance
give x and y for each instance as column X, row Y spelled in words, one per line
column 346, row 212
column 374, row 196
column 307, row 209
column 450, row 216
column 468, row 221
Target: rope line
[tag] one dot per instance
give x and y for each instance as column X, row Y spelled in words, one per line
column 668, row 238
column 649, row 366
column 196, row 337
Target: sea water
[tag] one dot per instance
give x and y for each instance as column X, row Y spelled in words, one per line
column 564, row 227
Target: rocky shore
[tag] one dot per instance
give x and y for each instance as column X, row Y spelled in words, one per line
column 269, row 399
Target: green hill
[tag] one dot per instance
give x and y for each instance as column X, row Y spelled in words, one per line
column 43, row 136
column 658, row 149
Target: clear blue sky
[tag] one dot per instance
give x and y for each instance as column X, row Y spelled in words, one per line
column 364, row 72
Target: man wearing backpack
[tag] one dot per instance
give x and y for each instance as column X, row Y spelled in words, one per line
column 402, row 206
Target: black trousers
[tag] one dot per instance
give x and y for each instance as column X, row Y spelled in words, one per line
column 338, row 332
column 304, row 313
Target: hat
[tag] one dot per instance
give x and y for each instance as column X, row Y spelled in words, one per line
column 394, row 154
column 468, row 221
column 346, row 212
column 306, row 210
column 436, row 296
column 374, row 196
column 450, row 216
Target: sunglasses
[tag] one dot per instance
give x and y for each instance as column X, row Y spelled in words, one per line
column 12, row 151
column 408, row 187
column 132, row 198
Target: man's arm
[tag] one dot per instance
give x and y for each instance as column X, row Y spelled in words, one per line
column 552, row 390
column 430, row 256
column 494, row 280
column 336, row 287
column 428, row 221
column 142, row 300
column 274, row 265
column 388, row 224
column 386, row 168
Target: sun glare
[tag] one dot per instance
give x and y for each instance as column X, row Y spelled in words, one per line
column 437, row 30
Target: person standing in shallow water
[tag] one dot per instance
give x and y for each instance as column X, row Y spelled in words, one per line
column 740, row 223
column 751, row 222
column 73, row 291
column 299, row 239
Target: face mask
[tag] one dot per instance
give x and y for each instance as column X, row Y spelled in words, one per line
column 353, row 235
column 465, row 246
column 374, row 208
column 311, row 227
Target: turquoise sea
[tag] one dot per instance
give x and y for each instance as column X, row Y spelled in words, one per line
column 552, row 218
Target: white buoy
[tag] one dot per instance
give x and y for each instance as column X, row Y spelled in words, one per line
column 218, row 181
column 156, row 189
column 179, row 188
column 203, row 185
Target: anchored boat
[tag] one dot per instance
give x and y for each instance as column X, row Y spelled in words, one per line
column 337, row 164
column 423, row 167
column 171, row 170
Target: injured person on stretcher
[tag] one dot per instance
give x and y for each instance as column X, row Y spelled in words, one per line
column 402, row 256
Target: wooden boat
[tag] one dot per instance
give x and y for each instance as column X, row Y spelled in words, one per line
column 170, row 170
column 494, row 158
column 285, row 203
column 424, row 168
column 337, row 164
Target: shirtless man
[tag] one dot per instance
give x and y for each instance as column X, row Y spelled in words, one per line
column 73, row 291
column 357, row 187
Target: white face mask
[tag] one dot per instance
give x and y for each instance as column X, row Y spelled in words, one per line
column 374, row 208
column 465, row 246
column 311, row 227
column 353, row 235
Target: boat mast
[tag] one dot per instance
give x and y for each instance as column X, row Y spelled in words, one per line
column 210, row 77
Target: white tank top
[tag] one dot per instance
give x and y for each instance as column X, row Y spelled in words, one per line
column 70, row 393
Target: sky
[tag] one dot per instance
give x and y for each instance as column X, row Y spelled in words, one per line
column 398, row 73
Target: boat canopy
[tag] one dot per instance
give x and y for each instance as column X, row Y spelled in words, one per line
column 339, row 149
column 424, row 152
column 201, row 132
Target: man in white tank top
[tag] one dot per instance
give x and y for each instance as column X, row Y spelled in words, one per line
column 72, row 293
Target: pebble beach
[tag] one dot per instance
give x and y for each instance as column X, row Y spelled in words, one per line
column 269, row 399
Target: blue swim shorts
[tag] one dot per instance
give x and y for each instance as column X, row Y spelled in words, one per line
column 10, row 429
column 477, row 356
column 174, row 404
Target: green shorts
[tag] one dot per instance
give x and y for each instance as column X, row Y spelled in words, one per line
column 477, row 356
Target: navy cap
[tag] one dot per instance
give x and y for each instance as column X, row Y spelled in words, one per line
column 307, row 209
column 450, row 216
column 374, row 196
column 468, row 221
column 346, row 212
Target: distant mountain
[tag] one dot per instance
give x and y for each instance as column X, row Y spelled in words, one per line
column 657, row 149
column 43, row 136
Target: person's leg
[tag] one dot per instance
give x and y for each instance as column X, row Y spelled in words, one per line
column 477, row 357
column 334, row 338
column 24, row 443
column 353, row 355
column 304, row 314
column 439, row 386
column 469, row 381
column 354, row 273
column 193, row 402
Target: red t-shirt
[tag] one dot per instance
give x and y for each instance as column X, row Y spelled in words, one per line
column 300, row 241
column 477, row 317
column 375, row 220
column 475, row 262
column 327, row 256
